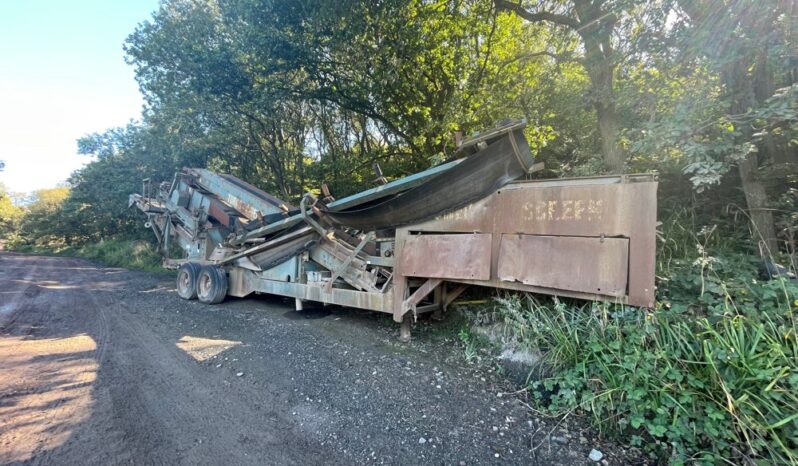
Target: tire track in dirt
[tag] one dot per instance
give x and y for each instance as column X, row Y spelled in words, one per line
column 150, row 412
column 95, row 323
column 46, row 373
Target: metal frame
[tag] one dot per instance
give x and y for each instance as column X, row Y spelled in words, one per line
column 220, row 221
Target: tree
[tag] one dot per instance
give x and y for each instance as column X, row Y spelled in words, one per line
column 98, row 203
column 42, row 223
column 595, row 23
column 751, row 45
column 315, row 95
column 291, row 94
column 10, row 214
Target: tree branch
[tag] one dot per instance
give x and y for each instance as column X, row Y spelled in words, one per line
column 556, row 56
column 539, row 16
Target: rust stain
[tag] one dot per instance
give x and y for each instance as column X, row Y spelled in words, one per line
column 447, row 256
column 622, row 207
column 590, row 265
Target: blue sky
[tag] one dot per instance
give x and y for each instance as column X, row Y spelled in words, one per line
column 62, row 75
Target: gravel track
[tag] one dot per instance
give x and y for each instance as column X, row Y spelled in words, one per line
column 102, row 365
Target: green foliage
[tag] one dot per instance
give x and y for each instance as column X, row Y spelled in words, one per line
column 469, row 343
column 322, row 90
column 133, row 254
column 42, row 223
column 787, row 224
column 709, row 376
column 289, row 95
column 711, row 142
column 98, row 205
column 10, row 214
column 737, row 59
column 319, row 93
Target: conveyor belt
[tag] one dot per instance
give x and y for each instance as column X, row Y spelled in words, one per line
column 505, row 159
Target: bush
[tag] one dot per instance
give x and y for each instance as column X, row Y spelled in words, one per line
column 710, row 376
column 123, row 253
column 133, row 254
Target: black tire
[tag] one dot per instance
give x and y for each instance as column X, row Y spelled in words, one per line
column 187, row 276
column 212, row 284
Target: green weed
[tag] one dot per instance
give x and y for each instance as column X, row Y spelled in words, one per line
column 132, row 254
column 710, row 376
column 470, row 344
column 123, row 253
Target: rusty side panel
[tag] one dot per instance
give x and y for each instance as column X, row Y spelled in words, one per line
column 247, row 209
column 464, row 256
column 590, row 265
column 616, row 206
column 217, row 211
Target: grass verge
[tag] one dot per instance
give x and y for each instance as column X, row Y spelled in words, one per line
column 714, row 381
column 131, row 254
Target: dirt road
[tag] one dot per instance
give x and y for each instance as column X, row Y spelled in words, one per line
column 106, row 366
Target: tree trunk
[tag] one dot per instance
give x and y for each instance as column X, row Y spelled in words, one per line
column 756, row 198
column 600, row 69
column 612, row 155
column 747, row 92
column 744, row 92
column 596, row 26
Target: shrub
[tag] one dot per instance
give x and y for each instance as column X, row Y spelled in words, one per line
column 123, row 253
column 707, row 379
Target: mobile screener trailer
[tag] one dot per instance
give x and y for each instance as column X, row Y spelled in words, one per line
column 413, row 245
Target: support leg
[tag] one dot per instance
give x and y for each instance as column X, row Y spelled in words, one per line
column 439, row 294
column 404, row 328
column 452, row 295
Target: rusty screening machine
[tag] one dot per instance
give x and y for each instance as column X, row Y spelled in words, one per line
column 413, row 245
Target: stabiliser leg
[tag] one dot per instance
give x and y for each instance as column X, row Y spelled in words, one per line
column 404, row 328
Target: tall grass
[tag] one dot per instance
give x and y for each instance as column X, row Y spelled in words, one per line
column 133, row 254
column 710, row 376
column 707, row 390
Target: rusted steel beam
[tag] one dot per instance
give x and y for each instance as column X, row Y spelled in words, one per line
column 243, row 282
column 450, row 296
column 341, row 268
column 411, row 302
column 301, row 233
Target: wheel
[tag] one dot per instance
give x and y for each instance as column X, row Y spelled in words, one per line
column 212, row 284
column 187, row 276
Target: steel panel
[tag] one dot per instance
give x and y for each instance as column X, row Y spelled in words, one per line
column 613, row 206
column 240, row 195
column 590, row 265
column 453, row 256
